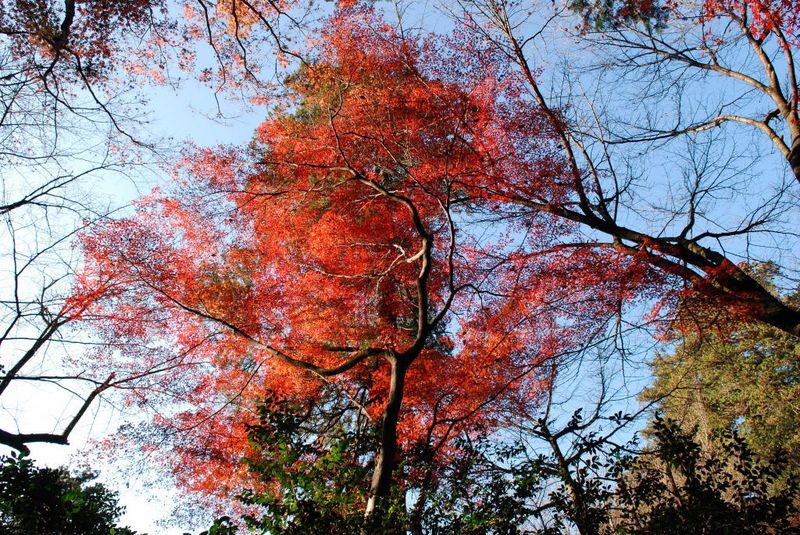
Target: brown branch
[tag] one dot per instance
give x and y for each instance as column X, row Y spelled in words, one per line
column 20, row 441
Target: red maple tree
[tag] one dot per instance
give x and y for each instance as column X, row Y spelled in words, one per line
column 416, row 226
column 345, row 248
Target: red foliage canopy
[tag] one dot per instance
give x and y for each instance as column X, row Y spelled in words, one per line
column 365, row 242
column 402, row 229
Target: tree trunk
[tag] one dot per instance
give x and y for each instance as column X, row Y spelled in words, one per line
column 385, row 460
column 794, row 157
column 580, row 516
column 773, row 311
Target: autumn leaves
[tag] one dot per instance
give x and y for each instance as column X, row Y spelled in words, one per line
column 418, row 226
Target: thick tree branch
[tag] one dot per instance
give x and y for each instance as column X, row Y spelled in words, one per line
column 20, row 441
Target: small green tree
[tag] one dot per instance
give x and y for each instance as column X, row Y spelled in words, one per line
column 315, row 462
column 51, row 501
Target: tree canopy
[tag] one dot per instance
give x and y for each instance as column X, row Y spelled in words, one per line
column 430, row 224
column 49, row 501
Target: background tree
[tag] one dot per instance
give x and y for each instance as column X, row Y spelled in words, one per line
column 50, row 501
column 678, row 485
column 746, row 382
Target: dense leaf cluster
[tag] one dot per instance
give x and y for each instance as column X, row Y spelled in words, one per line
column 679, row 488
column 51, row 501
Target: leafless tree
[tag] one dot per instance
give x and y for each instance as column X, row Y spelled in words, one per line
column 689, row 198
column 63, row 122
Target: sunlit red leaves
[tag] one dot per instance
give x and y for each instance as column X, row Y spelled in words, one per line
column 313, row 242
column 762, row 16
column 555, row 302
column 80, row 40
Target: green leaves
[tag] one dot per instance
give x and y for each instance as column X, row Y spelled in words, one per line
column 748, row 382
column 678, row 487
column 222, row 526
column 609, row 14
column 314, row 461
column 48, row 500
